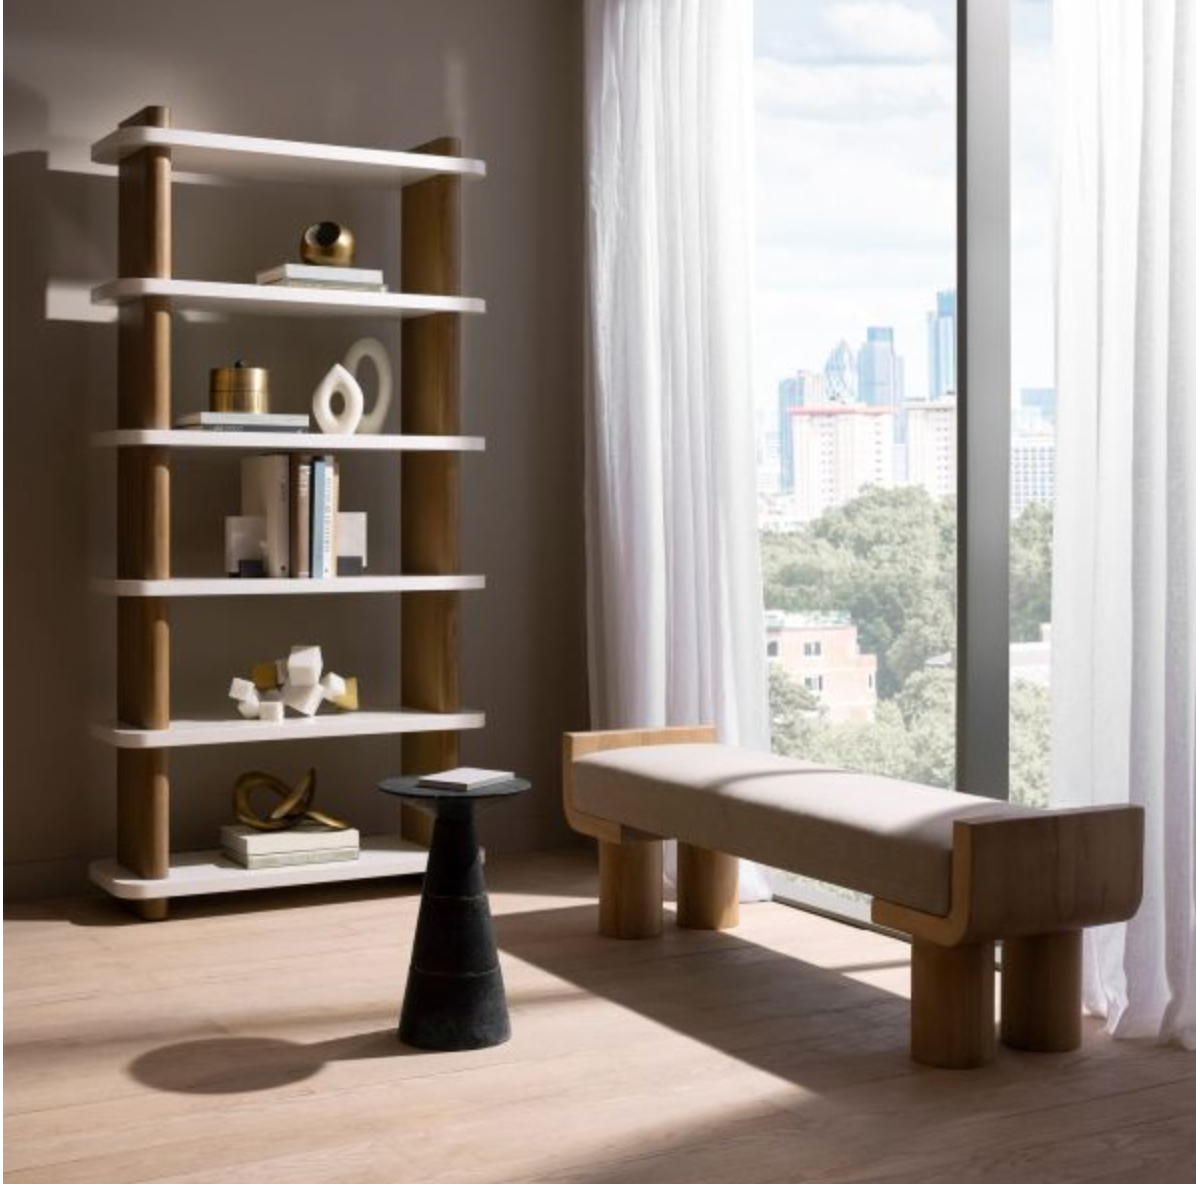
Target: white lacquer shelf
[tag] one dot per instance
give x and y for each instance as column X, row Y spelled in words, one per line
column 273, row 300
column 201, row 873
column 193, row 733
column 340, row 586
column 283, row 441
column 251, row 158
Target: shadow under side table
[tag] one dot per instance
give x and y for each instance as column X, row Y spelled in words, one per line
column 455, row 998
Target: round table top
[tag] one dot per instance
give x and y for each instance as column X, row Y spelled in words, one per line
column 409, row 787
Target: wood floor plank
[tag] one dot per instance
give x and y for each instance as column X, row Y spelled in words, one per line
column 252, row 1041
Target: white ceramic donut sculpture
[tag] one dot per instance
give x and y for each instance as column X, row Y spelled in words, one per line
column 338, row 380
column 372, row 348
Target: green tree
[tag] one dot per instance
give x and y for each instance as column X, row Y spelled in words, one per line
column 1030, row 572
column 1029, row 743
column 888, row 558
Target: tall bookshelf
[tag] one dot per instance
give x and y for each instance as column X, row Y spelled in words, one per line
column 146, row 150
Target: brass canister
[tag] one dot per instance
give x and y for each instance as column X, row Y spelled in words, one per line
column 239, row 388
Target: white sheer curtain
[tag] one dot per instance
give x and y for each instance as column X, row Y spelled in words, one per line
column 1124, row 629
column 675, row 598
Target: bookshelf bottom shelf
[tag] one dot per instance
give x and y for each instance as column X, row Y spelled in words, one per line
column 201, row 873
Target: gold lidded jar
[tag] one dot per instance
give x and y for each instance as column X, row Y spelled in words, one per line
column 239, row 388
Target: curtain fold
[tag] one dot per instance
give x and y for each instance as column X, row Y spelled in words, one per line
column 675, row 594
column 1124, row 628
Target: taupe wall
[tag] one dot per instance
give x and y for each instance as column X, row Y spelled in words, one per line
column 505, row 77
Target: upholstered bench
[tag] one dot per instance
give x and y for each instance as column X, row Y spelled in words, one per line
column 953, row 871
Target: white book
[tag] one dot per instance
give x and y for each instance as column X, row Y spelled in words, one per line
column 265, row 493
column 309, row 273
column 244, row 421
column 465, row 779
column 244, row 840
column 293, row 858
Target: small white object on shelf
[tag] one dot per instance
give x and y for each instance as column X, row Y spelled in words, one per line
column 243, row 421
column 304, row 699
column 304, row 666
column 271, row 711
column 338, row 381
column 333, row 686
column 371, row 348
column 466, row 778
column 242, row 689
column 306, row 836
column 310, row 273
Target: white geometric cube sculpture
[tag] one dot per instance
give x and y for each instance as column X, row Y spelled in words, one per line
column 305, row 700
column 304, row 666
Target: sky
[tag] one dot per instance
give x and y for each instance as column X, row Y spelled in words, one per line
column 855, row 193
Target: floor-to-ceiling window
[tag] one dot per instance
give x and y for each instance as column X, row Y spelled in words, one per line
column 1032, row 369
column 856, row 381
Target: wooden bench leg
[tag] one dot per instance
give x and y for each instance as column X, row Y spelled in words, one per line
column 707, row 888
column 1040, row 991
column 630, row 889
column 952, row 1023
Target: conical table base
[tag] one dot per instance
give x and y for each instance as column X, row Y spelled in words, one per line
column 455, row 998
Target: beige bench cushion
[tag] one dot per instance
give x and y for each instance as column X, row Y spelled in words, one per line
column 890, row 839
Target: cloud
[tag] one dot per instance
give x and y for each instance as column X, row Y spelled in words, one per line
column 853, row 92
column 886, row 31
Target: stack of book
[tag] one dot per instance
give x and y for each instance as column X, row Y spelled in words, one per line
column 465, row 779
column 298, row 498
column 243, row 421
column 306, row 275
column 305, row 843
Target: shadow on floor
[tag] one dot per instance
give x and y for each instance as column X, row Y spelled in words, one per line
column 237, row 1064
column 800, row 1022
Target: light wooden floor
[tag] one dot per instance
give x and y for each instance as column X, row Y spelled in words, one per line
column 252, row 1041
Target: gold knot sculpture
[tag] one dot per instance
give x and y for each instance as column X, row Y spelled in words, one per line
column 295, row 806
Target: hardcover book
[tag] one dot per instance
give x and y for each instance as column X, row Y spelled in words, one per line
column 465, row 779
column 301, row 516
column 265, row 492
column 306, row 837
column 243, row 421
column 322, row 277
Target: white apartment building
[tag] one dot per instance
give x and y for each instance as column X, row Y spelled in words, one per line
column 930, row 445
column 837, row 450
column 1032, row 470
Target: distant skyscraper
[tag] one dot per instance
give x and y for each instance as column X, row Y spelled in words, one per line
column 879, row 369
column 1037, row 403
column 940, row 336
column 840, row 374
column 930, row 443
column 788, row 397
column 837, row 451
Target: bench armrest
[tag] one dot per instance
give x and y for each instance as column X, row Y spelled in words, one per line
column 1049, row 872
column 579, row 744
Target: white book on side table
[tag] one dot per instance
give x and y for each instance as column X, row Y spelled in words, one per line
column 465, row 779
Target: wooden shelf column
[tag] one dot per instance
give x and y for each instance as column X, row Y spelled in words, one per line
column 143, row 525
column 431, row 389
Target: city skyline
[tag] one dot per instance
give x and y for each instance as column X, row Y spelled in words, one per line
column 855, row 136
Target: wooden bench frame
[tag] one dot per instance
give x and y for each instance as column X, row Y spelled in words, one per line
column 1032, row 883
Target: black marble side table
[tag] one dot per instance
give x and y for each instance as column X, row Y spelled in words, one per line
column 455, row 998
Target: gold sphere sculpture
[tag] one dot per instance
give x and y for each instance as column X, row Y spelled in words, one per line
column 327, row 244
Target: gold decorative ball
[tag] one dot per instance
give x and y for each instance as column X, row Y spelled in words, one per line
column 327, row 244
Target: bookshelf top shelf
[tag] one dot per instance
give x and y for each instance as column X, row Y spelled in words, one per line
column 250, row 158
column 316, row 442
column 194, row 733
column 274, row 300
